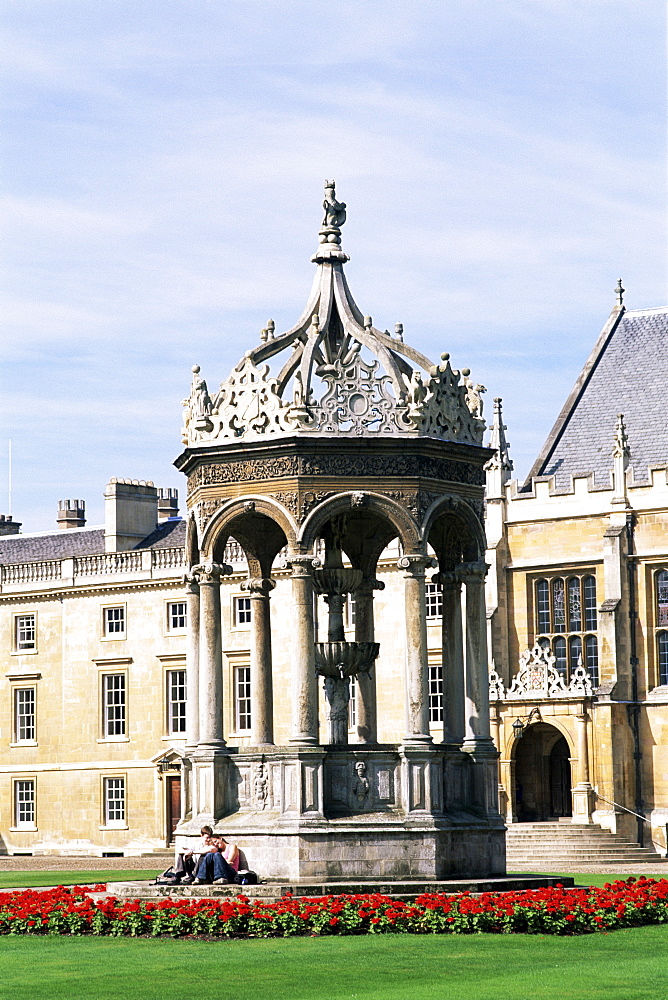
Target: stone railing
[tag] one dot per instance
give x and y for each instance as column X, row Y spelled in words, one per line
column 168, row 558
column 32, row 572
column 107, row 563
column 234, row 552
column 141, row 562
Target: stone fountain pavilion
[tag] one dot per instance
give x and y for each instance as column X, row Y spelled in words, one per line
column 325, row 444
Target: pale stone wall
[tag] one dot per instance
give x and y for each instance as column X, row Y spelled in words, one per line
column 71, row 756
column 585, row 530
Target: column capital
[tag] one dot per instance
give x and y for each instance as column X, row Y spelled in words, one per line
column 415, row 563
column 258, row 587
column 368, row 585
column 450, row 580
column 191, row 582
column 303, row 565
column 210, row 572
column 473, row 572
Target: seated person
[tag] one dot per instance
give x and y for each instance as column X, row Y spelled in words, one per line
column 187, row 856
column 220, row 864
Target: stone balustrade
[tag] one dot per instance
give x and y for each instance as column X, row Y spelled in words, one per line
column 53, row 573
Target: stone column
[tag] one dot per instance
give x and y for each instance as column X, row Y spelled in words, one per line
column 417, row 677
column 476, row 732
column 192, row 661
column 304, row 683
column 497, row 736
column 365, row 707
column 211, row 659
column 582, row 793
column 262, row 699
column 453, row 660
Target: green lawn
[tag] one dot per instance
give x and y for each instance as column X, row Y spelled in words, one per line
column 27, row 880
column 626, row 965
column 589, row 878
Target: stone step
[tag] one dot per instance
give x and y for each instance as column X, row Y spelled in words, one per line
column 528, row 844
column 647, row 855
column 582, row 859
column 399, row 889
column 577, row 847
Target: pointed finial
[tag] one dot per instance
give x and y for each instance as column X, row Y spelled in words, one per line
column 620, row 446
column 619, row 292
column 330, row 230
column 620, row 463
column 500, row 462
column 271, row 326
column 335, row 211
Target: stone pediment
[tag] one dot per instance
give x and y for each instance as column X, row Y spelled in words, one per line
column 539, row 678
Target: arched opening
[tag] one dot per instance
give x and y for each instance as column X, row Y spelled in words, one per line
column 542, row 775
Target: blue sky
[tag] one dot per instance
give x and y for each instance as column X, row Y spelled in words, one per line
column 162, row 168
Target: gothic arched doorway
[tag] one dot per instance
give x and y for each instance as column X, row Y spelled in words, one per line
column 542, row 774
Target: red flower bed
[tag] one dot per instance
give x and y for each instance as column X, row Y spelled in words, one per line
column 556, row 910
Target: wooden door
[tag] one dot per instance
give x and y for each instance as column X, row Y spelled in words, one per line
column 173, row 804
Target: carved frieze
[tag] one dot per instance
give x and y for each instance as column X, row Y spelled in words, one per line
column 345, row 466
column 289, row 499
column 311, row 499
column 204, row 511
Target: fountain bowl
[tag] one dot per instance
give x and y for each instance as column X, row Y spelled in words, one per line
column 344, row 659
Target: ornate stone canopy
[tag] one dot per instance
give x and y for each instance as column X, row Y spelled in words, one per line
column 335, row 373
column 328, row 443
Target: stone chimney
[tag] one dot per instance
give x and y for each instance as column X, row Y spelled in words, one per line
column 168, row 504
column 8, row 526
column 71, row 513
column 130, row 513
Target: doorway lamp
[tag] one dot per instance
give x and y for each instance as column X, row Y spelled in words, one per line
column 168, row 765
column 519, row 725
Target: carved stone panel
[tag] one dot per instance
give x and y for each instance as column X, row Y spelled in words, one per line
column 337, row 786
column 289, row 785
column 384, row 793
column 417, row 785
column 310, row 787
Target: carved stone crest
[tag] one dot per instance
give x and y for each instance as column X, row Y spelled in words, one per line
column 539, row 678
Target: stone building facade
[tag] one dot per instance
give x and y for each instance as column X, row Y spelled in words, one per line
column 156, row 671
column 577, row 596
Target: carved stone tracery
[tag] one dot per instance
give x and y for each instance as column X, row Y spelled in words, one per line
column 539, row 678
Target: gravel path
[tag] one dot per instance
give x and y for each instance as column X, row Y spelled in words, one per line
column 63, row 864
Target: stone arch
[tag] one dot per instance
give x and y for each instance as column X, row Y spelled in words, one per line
column 403, row 524
column 461, row 521
column 261, row 525
column 542, row 769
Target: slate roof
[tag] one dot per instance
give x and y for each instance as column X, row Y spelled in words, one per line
column 627, row 372
column 64, row 544
column 170, row 534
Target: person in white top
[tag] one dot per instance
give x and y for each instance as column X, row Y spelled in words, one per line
column 187, row 855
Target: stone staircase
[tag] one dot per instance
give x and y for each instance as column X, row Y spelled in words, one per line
column 544, row 846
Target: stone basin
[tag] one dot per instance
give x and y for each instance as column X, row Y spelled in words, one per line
column 344, row 659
